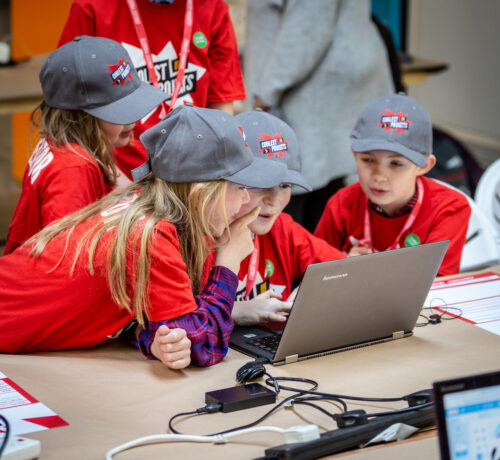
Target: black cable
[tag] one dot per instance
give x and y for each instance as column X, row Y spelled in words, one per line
column 6, row 435
column 319, row 393
column 401, row 411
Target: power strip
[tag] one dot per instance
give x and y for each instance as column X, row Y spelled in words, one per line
column 18, row 448
column 343, row 439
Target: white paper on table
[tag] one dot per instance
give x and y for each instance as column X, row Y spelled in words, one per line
column 24, row 413
column 477, row 296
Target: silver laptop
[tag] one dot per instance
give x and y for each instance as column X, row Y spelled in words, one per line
column 349, row 303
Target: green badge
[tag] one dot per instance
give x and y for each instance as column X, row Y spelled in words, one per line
column 412, row 240
column 199, row 40
column 269, row 268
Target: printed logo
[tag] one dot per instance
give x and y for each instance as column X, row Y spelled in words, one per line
column 166, row 64
column 273, row 145
column 397, row 122
column 41, row 157
column 120, row 73
column 412, row 240
column 269, row 268
column 243, row 136
column 199, row 40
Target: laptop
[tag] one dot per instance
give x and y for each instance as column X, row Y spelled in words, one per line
column 349, row 303
column 468, row 417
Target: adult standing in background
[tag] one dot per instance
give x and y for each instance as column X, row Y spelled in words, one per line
column 161, row 35
column 315, row 64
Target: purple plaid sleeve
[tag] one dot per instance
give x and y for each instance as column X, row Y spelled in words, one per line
column 209, row 326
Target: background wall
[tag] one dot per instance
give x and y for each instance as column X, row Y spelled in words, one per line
column 465, row 99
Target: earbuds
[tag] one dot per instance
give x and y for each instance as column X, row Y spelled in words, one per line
column 251, row 371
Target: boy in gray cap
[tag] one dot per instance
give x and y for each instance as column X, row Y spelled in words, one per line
column 393, row 205
column 282, row 248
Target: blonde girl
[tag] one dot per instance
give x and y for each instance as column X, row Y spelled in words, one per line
column 131, row 264
column 92, row 99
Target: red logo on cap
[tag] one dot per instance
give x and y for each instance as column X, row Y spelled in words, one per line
column 273, row 145
column 394, row 121
column 120, row 73
column 243, row 136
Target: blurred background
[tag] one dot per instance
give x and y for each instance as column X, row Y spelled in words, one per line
column 447, row 54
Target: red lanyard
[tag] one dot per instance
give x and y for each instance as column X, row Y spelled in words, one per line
column 367, row 236
column 252, row 267
column 144, row 43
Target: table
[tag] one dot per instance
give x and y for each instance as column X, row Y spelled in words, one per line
column 111, row 394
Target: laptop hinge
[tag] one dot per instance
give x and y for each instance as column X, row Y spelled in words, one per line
column 398, row 335
column 291, row 359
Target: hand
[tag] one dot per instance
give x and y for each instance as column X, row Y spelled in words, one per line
column 293, row 294
column 258, row 104
column 233, row 248
column 359, row 251
column 172, row 347
column 267, row 306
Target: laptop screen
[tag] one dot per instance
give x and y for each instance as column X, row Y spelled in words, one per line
column 468, row 413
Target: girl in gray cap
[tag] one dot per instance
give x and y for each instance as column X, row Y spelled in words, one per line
column 92, row 99
column 132, row 263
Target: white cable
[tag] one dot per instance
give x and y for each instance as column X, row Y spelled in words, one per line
column 300, row 433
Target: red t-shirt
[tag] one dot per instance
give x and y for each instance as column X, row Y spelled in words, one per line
column 444, row 215
column 213, row 73
column 42, row 310
column 284, row 254
column 57, row 182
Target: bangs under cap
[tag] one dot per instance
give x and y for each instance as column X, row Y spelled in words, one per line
column 96, row 75
column 396, row 123
column 274, row 141
column 193, row 144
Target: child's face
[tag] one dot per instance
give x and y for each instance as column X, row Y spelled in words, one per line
column 271, row 201
column 236, row 196
column 118, row 135
column 387, row 178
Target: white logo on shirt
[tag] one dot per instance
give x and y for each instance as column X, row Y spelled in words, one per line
column 41, row 157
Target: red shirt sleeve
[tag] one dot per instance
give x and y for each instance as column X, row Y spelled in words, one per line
column 226, row 80
column 80, row 22
column 308, row 249
column 330, row 227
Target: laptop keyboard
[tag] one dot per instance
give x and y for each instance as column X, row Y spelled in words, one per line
column 268, row 343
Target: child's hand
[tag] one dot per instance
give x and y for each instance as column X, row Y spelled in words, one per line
column 359, row 251
column 239, row 244
column 293, row 294
column 172, row 347
column 267, row 306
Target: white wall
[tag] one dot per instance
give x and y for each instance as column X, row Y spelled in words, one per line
column 465, row 34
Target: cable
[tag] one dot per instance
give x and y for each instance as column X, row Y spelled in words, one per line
column 300, row 433
column 436, row 318
column 6, row 436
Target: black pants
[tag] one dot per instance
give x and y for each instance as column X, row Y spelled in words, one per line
column 306, row 209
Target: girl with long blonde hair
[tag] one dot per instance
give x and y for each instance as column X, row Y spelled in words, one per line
column 92, row 99
column 132, row 263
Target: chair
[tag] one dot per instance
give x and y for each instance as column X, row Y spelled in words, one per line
column 480, row 249
column 487, row 195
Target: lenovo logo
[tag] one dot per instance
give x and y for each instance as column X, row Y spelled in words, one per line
column 333, row 277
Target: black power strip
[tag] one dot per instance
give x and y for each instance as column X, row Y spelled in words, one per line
column 343, row 439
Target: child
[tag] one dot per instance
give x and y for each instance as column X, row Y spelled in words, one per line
column 138, row 253
column 92, row 99
column 393, row 205
column 282, row 248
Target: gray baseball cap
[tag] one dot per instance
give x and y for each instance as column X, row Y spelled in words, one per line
column 96, row 75
column 271, row 139
column 397, row 123
column 193, row 144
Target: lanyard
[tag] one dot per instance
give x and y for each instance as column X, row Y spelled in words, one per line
column 144, row 43
column 252, row 267
column 367, row 236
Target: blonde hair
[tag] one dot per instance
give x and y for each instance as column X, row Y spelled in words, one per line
column 76, row 126
column 151, row 200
